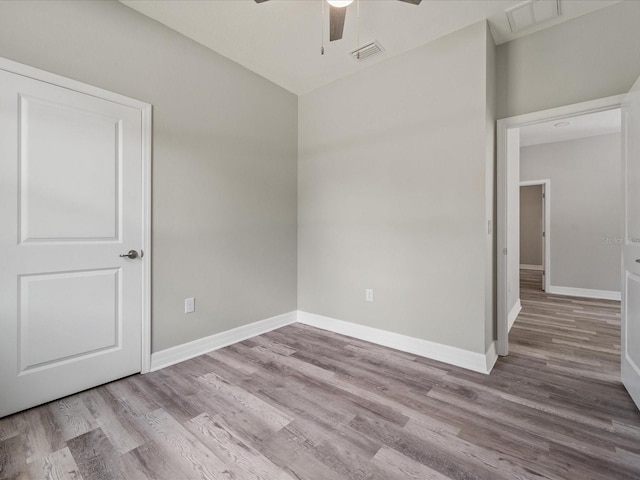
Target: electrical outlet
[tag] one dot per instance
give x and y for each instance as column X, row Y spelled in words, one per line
column 368, row 293
column 189, row 305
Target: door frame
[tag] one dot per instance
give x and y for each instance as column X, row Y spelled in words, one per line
column 546, row 244
column 504, row 127
column 146, row 110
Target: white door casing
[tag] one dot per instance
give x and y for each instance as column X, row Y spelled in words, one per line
column 545, row 233
column 630, row 344
column 74, row 195
column 506, row 159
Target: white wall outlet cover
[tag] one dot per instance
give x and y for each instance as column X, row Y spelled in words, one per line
column 369, row 294
column 189, row 305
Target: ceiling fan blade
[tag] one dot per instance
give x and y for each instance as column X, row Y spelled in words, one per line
column 414, row 2
column 336, row 22
column 260, row 1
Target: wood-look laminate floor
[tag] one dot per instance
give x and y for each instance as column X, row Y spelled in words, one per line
column 301, row 403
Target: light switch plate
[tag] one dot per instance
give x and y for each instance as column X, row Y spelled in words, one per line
column 369, row 294
column 189, row 305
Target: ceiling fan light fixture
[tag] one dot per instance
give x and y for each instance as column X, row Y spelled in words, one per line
column 339, row 3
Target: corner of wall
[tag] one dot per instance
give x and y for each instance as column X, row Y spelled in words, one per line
column 490, row 331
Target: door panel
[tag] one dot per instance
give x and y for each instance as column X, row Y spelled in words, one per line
column 70, row 204
column 82, row 142
column 631, row 249
column 81, row 310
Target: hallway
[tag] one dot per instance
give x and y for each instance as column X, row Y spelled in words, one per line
column 578, row 336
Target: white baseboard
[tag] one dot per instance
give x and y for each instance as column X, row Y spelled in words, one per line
column 513, row 314
column 477, row 362
column 180, row 353
column 585, row 292
column 531, row 267
column 491, row 357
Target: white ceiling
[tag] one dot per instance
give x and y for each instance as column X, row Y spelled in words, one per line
column 582, row 126
column 281, row 39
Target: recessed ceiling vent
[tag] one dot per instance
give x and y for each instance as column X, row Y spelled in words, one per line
column 366, row 51
column 532, row 12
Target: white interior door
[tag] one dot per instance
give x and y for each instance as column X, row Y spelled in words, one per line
column 71, row 203
column 631, row 250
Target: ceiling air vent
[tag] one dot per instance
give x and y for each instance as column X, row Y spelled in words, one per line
column 366, row 51
column 532, row 12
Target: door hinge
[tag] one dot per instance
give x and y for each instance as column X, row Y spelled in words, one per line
column 504, row 251
column 544, row 233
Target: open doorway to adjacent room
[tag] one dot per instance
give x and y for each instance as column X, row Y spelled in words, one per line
column 570, row 246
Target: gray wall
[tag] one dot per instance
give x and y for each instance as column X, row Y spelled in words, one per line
column 490, row 279
column 531, row 225
column 586, row 208
column 393, row 176
column 593, row 56
column 224, row 158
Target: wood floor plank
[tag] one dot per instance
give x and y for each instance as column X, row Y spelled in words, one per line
column 270, row 415
column 398, row 465
column 243, row 460
column 422, row 448
column 59, row 465
column 122, row 435
column 150, row 462
column 72, row 417
column 13, row 463
column 95, row 456
column 192, row 459
column 41, row 432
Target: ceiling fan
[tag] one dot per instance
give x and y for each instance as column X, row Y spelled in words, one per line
column 337, row 13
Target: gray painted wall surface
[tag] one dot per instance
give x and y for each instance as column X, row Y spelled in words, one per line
column 531, row 225
column 491, row 261
column 589, row 57
column 392, row 189
column 586, row 208
column 224, row 158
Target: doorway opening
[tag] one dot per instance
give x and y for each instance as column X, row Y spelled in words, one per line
column 535, row 229
column 508, row 205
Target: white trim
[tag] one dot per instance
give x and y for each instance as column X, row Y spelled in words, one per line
column 503, row 127
column 477, row 362
column 64, row 82
column 502, row 297
column 539, row 268
column 531, row 183
column 491, row 357
column 566, row 111
column 147, row 129
column 585, row 292
column 513, row 314
column 180, row 353
column 630, row 362
column 146, row 125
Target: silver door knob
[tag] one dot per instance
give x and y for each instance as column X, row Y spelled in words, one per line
column 132, row 254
